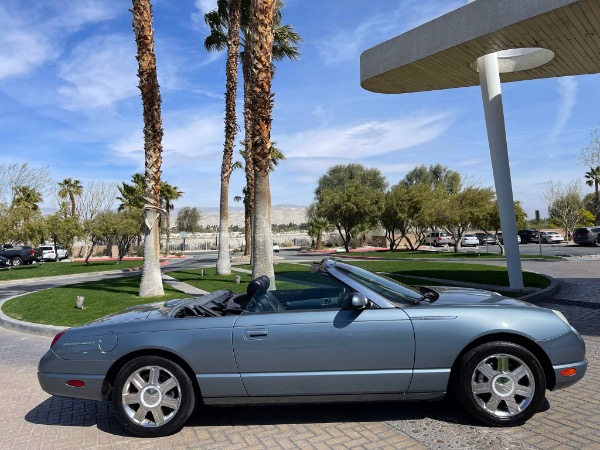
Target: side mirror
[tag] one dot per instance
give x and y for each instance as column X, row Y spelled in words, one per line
column 359, row 301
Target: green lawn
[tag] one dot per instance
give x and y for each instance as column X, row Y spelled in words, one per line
column 470, row 253
column 57, row 306
column 50, row 269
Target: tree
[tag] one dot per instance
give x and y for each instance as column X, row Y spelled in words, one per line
column 63, row 230
column 261, row 48
column 592, row 178
column 590, row 154
column 14, row 175
column 285, row 45
column 188, row 220
column 70, row 189
column 26, row 197
column 350, row 195
column 565, row 203
column 436, row 176
column 317, row 225
column 151, row 283
column 168, row 193
column 396, row 215
column 226, row 20
column 132, row 195
column 96, row 196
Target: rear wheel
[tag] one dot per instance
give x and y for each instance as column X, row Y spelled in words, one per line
column 597, row 242
column 153, row 396
column 501, row 383
column 16, row 261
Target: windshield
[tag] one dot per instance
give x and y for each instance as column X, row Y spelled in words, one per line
column 386, row 287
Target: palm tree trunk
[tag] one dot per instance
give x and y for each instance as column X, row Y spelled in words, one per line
column 233, row 45
column 249, row 195
column 151, row 283
column 262, row 105
column 168, row 228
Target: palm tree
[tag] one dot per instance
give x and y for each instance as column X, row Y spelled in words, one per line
column 132, row 195
column 168, row 193
column 593, row 179
column 263, row 13
column 285, row 45
column 151, row 283
column 229, row 19
column 26, row 197
column 70, row 189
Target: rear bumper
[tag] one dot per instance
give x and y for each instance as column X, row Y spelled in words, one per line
column 55, row 384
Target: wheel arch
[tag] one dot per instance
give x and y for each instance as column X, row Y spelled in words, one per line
column 111, row 374
column 524, row 342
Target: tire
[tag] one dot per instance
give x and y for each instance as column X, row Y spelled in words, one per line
column 544, row 241
column 597, row 242
column 16, row 261
column 153, row 396
column 500, row 384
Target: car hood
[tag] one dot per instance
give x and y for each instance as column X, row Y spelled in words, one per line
column 468, row 296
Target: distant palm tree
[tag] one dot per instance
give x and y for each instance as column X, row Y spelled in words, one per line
column 168, row 193
column 151, row 283
column 26, row 197
column 132, row 195
column 285, row 45
column 229, row 19
column 70, row 189
column 593, row 179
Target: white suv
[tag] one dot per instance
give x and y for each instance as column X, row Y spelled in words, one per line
column 437, row 238
column 50, row 254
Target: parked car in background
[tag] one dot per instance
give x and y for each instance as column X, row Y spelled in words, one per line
column 551, row 237
column 501, row 239
column 4, row 262
column 20, row 254
column 275, row 248
column 437, row 238
column 49, row 253
column 587, row 236
column 486, row 238
column 469, row 240
column 528, row 236
column 347, row 334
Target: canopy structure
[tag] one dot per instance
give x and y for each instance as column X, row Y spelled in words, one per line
column 484, row 43
column 440, row 53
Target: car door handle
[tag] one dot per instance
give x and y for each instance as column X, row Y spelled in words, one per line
column 256, row 333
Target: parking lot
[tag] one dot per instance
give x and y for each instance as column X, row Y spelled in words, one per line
column 569, row 419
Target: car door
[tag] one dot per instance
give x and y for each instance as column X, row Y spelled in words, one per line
column 332, row 351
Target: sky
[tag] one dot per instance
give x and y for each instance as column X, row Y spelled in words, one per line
column 69, row 101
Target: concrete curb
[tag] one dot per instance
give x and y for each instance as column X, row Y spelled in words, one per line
column 27, row 327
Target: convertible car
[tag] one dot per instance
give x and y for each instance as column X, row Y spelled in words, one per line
column 344, row 334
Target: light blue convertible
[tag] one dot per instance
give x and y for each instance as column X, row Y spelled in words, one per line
column 346, row 334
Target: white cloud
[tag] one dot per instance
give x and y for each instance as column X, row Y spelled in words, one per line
column 30, row 40
column 567, row 90
column 349, row 40
column 99, row 72
column 190, row 138
column 366, row 139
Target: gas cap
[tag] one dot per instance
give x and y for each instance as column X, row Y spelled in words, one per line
column 108, row 342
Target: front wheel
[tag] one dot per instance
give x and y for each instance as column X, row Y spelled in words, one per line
column 153, row 396
column 501, row 383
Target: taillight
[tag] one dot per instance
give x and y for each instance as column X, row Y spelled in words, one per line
column 56, row 338
column 439, row 239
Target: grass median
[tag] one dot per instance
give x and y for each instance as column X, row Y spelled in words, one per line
column 57, row 306
column 53, row 269
column 437, row 253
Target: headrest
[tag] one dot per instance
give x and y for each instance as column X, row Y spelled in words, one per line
column 258, row 284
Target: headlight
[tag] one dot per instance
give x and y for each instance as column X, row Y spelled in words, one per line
column 562, row 317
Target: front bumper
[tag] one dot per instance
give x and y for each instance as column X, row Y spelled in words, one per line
column 566, row 381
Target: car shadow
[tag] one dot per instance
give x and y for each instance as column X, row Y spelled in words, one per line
column 60, row 411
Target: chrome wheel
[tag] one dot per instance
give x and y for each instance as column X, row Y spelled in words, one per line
column 500, row 383
column 503, row 385
column 151, row 396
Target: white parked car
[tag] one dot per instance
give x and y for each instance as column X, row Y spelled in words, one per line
column 437, row 238
column 469, row 240
column 551, row 237
column 49, row 253
column 275, row 248
column 501, row 239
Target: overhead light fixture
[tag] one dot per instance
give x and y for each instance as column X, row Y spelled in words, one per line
column 516, row 59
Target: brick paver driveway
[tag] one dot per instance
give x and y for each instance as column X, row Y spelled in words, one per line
column 30, row 418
